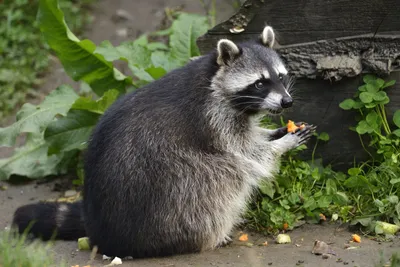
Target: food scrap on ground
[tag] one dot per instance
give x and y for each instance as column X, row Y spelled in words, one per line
column 244, row 238
column 322, row 217
column 292, row 127
column 283, row 239
column 83, row 243
column 387, row 228
column 356, row 238
column 285, row 226
column 115, row 261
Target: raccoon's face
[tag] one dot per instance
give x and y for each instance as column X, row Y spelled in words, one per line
column 252, row 76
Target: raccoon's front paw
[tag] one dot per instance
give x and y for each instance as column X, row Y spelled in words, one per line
column 303, row 135
column 293, row 140
column 281, row 132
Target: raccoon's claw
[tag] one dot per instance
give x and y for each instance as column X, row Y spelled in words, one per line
column 306, row 133
column 227, row 241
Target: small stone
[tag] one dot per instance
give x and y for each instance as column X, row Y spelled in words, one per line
column 269, row 263
column 123, row 14
column 320, row 247
column 123, row 32
column 70, row 193
column 326, row 256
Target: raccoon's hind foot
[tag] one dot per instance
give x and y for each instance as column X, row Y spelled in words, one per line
column 226, row 242
column 293, row 140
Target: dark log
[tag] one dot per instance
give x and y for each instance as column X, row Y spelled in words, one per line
column 327, row 45
column 300, row 21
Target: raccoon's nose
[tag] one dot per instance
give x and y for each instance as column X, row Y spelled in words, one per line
column 286, row 102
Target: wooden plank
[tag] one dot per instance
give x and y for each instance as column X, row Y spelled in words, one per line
column 298, row 21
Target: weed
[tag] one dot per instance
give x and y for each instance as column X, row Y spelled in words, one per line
column 24, row 56
column 366, row 194
column 16, row 251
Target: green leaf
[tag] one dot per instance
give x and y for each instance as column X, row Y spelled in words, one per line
column 353, row 171
column 378, row 203
column 324, row 201
column 267, row 188
column 389, row 83
column 369, row 78
column 347, row 104
column 362, row 221
column 366, row 97
column 372, row 88
column 396, row 118
column 31, row 160
column 78, row 57
column 363, row 127
column 373, row 120
column 340, row 198
column 393, row 199
column 398, row 209
column 138, row 56
column 396, row 132
column 331, row 187
column 395, row 181
column 310, row 204
column 380, row 96
column 34, row 119
column 96, row 106
column 185, row 31
column 70, row 132
column 323, row 136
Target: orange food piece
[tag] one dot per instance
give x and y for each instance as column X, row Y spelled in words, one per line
column 265, row 243
column 356, row 238
column 292, row 127
column 244, row 237
column 285, row 226
column 322, row 217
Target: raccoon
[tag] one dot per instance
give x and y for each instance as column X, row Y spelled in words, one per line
column 170, row 167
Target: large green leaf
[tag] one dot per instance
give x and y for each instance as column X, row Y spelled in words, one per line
column 78, row 57
column 185, row 31
column 136, row 54
column 96, row 106
column 70, row 132
column 34, row 119
column 31, row 160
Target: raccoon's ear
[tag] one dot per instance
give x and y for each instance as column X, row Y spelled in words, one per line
column 268, row 36
column 227, row 51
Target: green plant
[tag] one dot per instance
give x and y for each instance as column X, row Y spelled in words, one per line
column 375, row 183
column 57, row 129
column 14, row 251
column 365, row 194
column 24, row 56
column 302, row 190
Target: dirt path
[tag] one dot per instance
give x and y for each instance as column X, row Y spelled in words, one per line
column 145, row 16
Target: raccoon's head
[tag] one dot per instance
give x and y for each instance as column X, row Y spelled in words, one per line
column 252, row 76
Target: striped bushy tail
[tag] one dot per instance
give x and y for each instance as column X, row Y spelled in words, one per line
column 51, row 220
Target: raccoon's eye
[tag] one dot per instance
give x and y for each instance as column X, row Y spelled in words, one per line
column 259, row 85
column 280, row 76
